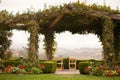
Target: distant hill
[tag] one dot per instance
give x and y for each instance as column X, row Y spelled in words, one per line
column 81, row 53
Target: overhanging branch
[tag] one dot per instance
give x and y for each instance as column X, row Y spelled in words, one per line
column 56, row 21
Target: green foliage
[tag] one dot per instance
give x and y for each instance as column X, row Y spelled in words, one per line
column 103, row 8
column 49, row 43
column 33, row 45
column 21, row 71
column 50, row 66
column 11, row 62
column 2, row 66
column 76, row 18
column 82, row 66
column 27, row 64
column 98, row 62
column 8, row 54
column 107, row 39
column 5, row 42
column 103, row 70
column 98, row 71
column 5, row 34
column 15, row 70
column 35, row 70
column 118, row 62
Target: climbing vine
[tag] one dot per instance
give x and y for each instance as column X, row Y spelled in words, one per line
column 117, row 43
column 5, row 42
column 49, row 43
column 73, row 17
column 107, row 39
column 33, row 42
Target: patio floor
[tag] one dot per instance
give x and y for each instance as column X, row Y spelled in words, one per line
column 66, row 71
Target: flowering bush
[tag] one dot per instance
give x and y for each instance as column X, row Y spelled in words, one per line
column 21, row 66
column 118, row 71
column 25, row 67
column 103, row 70
column 9, row 69
column 110, row 73
column 35, row 70
column 15, row 70
column 22, row 71
column 41, row 66
column 88, row 69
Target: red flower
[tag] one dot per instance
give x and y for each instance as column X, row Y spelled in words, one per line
column 118, row 71
column 109, row 74
column 8, row 69
column 21, row 66
column 41, row 66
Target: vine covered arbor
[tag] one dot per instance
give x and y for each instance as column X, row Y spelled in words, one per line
column 75, row 18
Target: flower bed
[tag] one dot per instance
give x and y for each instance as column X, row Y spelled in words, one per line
column 103, row 70
column 25, row 67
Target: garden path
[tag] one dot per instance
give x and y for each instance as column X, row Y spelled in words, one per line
column 66, row 71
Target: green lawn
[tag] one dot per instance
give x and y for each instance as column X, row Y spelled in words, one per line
column 53, row 77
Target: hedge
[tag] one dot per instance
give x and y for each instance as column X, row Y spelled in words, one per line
column 82, row 65
column 99, row 62
column 11, row 62
column 50, row 66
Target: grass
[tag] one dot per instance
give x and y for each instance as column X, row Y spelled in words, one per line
column 53, row 77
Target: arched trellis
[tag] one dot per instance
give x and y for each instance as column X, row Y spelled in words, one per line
column 76, row 18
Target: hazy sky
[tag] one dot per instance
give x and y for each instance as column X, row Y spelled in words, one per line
column 64, row 40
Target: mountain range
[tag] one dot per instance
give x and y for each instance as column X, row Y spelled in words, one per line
column 81, row 53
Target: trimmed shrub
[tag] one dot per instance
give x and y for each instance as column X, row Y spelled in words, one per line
column 50, row 66
column 1, row 66
column 82, row 66
column 78, row 61
column 99, row 62
column 11, row 62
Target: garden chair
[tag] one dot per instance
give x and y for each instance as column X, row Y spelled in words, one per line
column 59, row 63
column 72, row 63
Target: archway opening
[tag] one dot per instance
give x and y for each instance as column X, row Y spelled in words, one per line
column 19, row 43
column 85, row 46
